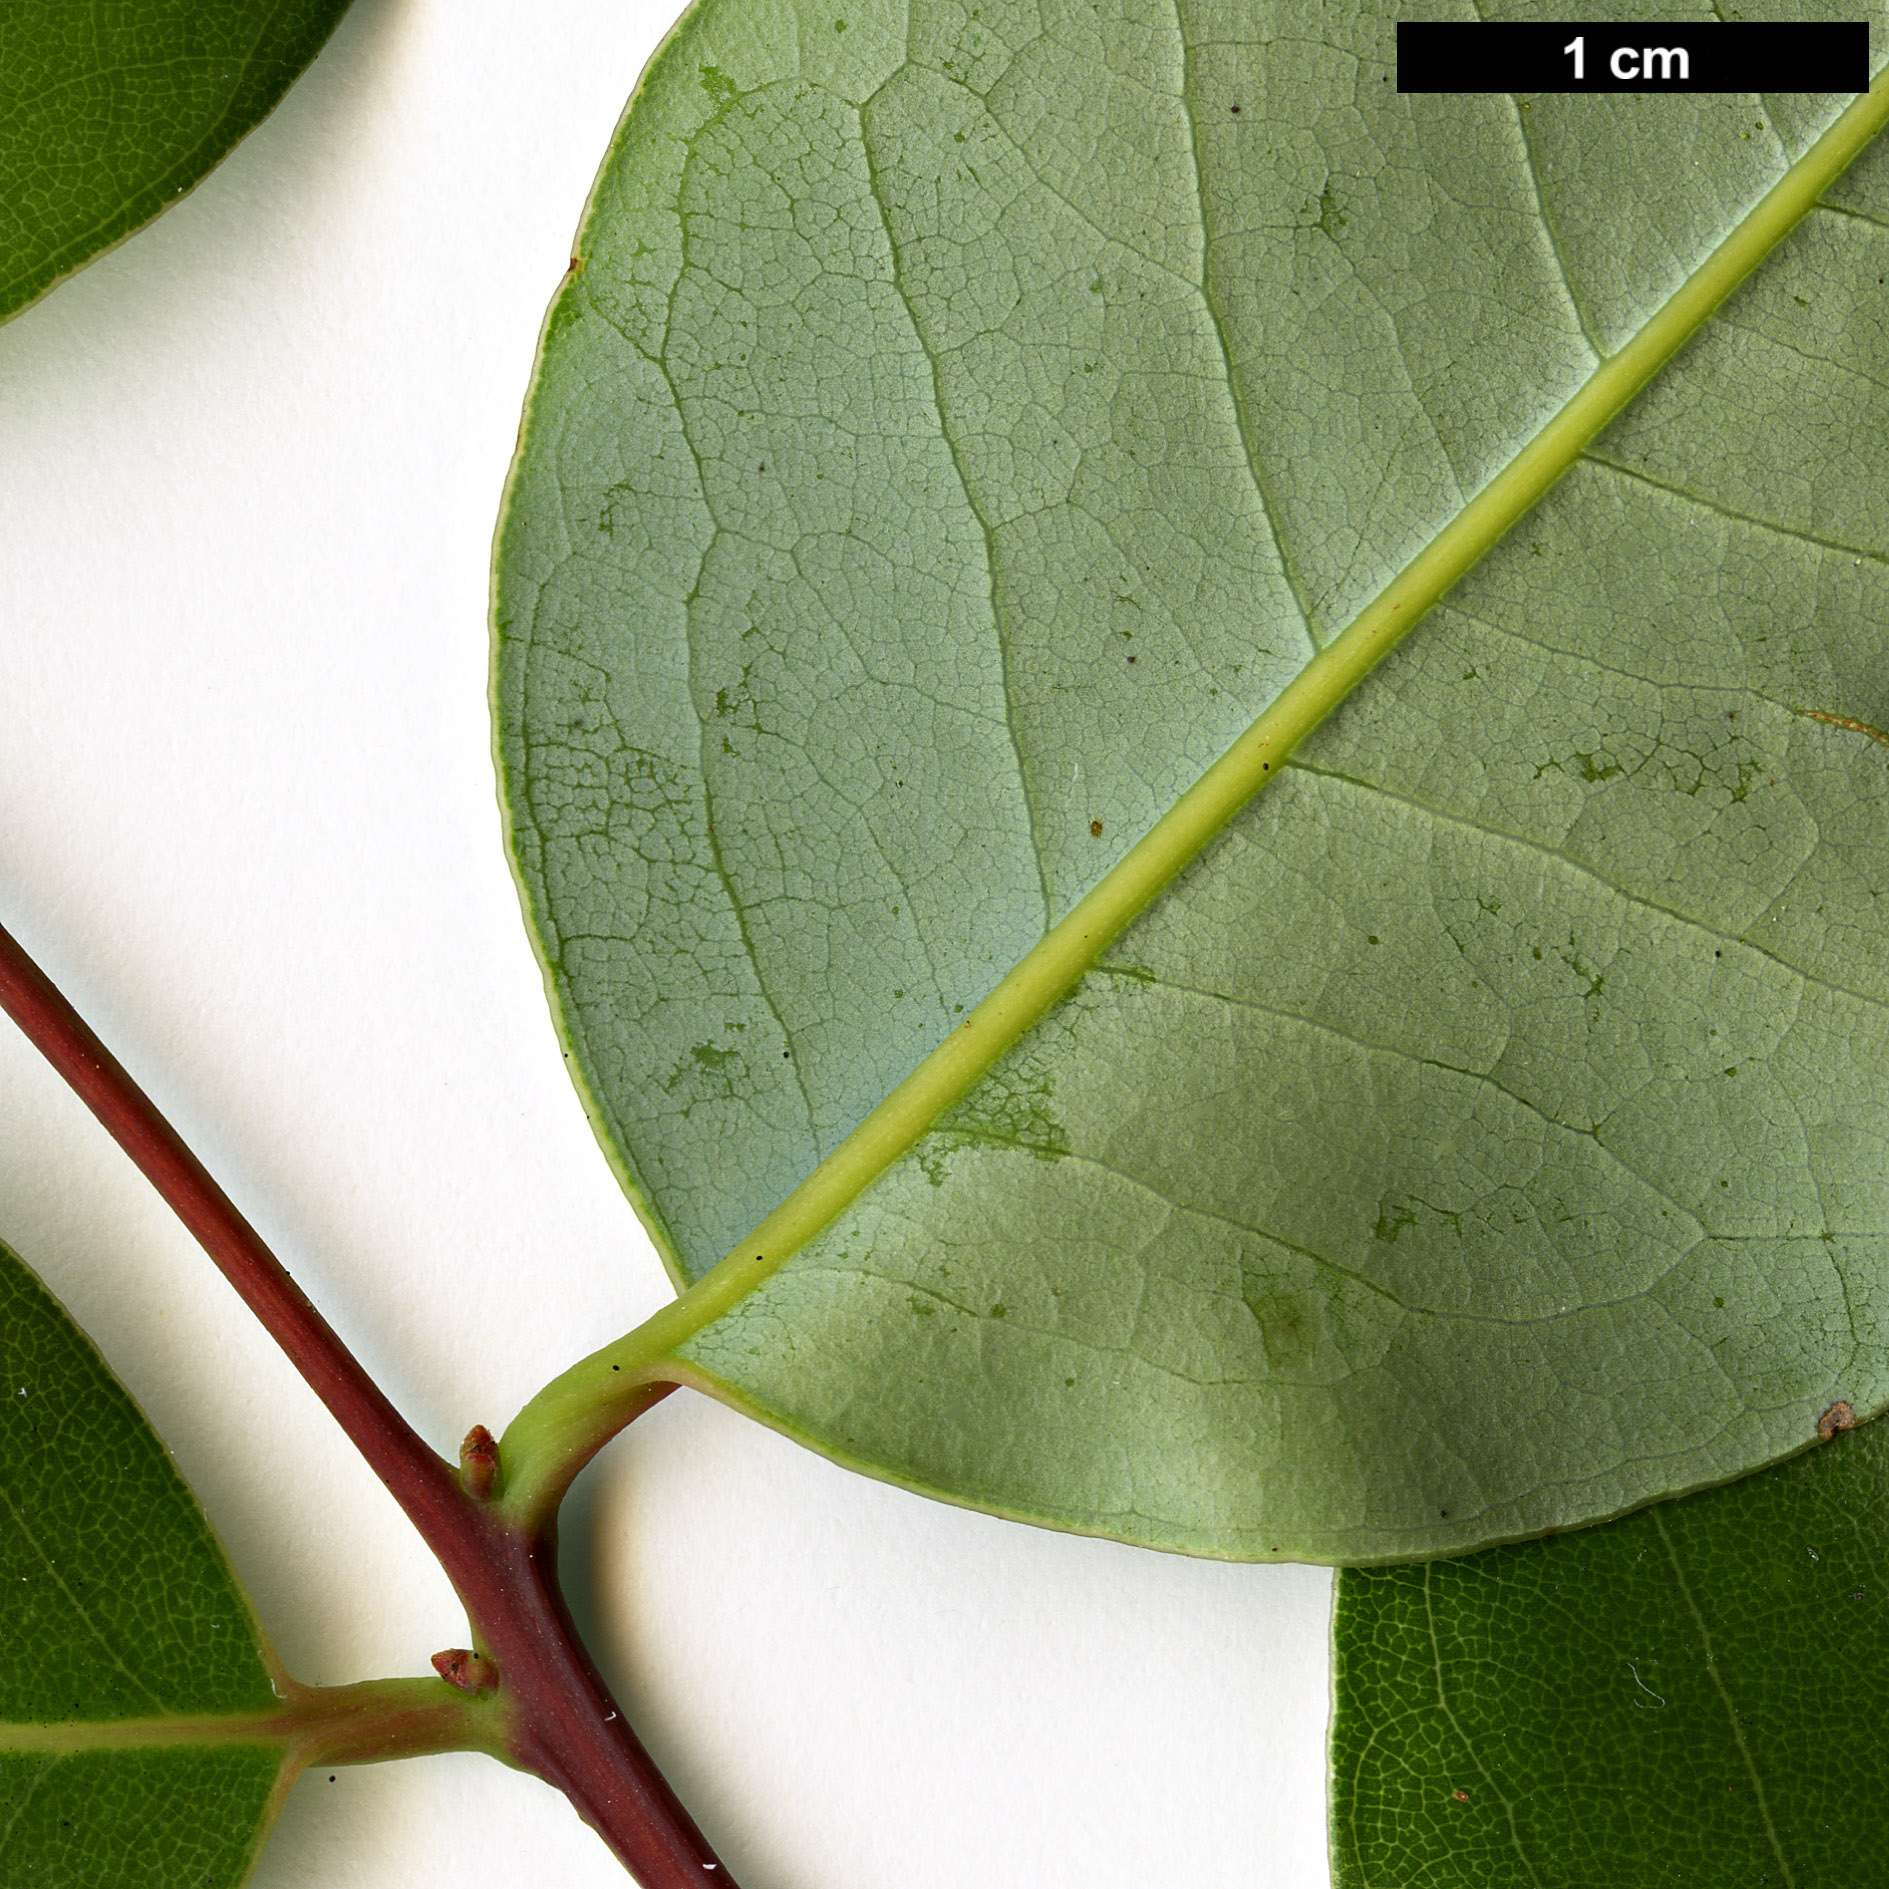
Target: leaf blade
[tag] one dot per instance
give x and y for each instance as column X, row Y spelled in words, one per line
column 107, row 120
column 119, row 1619
column 1690, row 1676
column 936, row 1444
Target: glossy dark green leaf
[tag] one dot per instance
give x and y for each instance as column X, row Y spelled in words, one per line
column 1691, row 1695
column 129, row 1658
column 109, row 113
column 963, row 420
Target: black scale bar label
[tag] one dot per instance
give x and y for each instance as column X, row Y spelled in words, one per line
column 1642, row 57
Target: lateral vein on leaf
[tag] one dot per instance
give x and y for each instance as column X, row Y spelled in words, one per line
column 25, row 1798
column 1525, row 843
column 1861, row 216
column 1005, row 655
column 1210, row 302
column 560, row 1428
column 1485, row 1078
column 1795, row 533
column 72, row 1600
column 1533, row 168
column 1475, row 1756
column 1172, row 1209
column 1365, row 1283
column 1725, row 1698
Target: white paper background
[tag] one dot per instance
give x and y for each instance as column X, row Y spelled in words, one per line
column 249, row 467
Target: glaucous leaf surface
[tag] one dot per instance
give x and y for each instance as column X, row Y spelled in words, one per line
column 108, row 114
column 1685, row 1695
column 123, row 1636
column 958, row 423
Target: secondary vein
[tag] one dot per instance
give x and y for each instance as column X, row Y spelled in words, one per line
column 1725, row 1699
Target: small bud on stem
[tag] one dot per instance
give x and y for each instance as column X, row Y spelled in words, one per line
column 478, row 1463
column 466, row 1671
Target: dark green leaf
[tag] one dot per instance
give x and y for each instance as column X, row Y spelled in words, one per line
column 1689, row 1695
column 962, row 422
column 108, row 114
column 127, row 1652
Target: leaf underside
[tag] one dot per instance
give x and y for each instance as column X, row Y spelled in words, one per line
column 1687, row 1695
column 117, row 1609
column 108, row 115
column 959, row 425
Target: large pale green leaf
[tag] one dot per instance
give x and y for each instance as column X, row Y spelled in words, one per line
column 1683, row 1696
column 958, row 424
column 130, row 1662
column 108, row 114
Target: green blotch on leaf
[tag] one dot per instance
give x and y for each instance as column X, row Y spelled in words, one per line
column 1288, row 1322
column 1392, row 1221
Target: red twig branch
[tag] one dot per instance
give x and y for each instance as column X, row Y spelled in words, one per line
column 563, row 1723
column 422, row 1483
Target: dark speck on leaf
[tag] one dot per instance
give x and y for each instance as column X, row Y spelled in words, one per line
column 1095, row 829
column 1462, row 1797
column 1236, row 111
column 1838, row 1417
